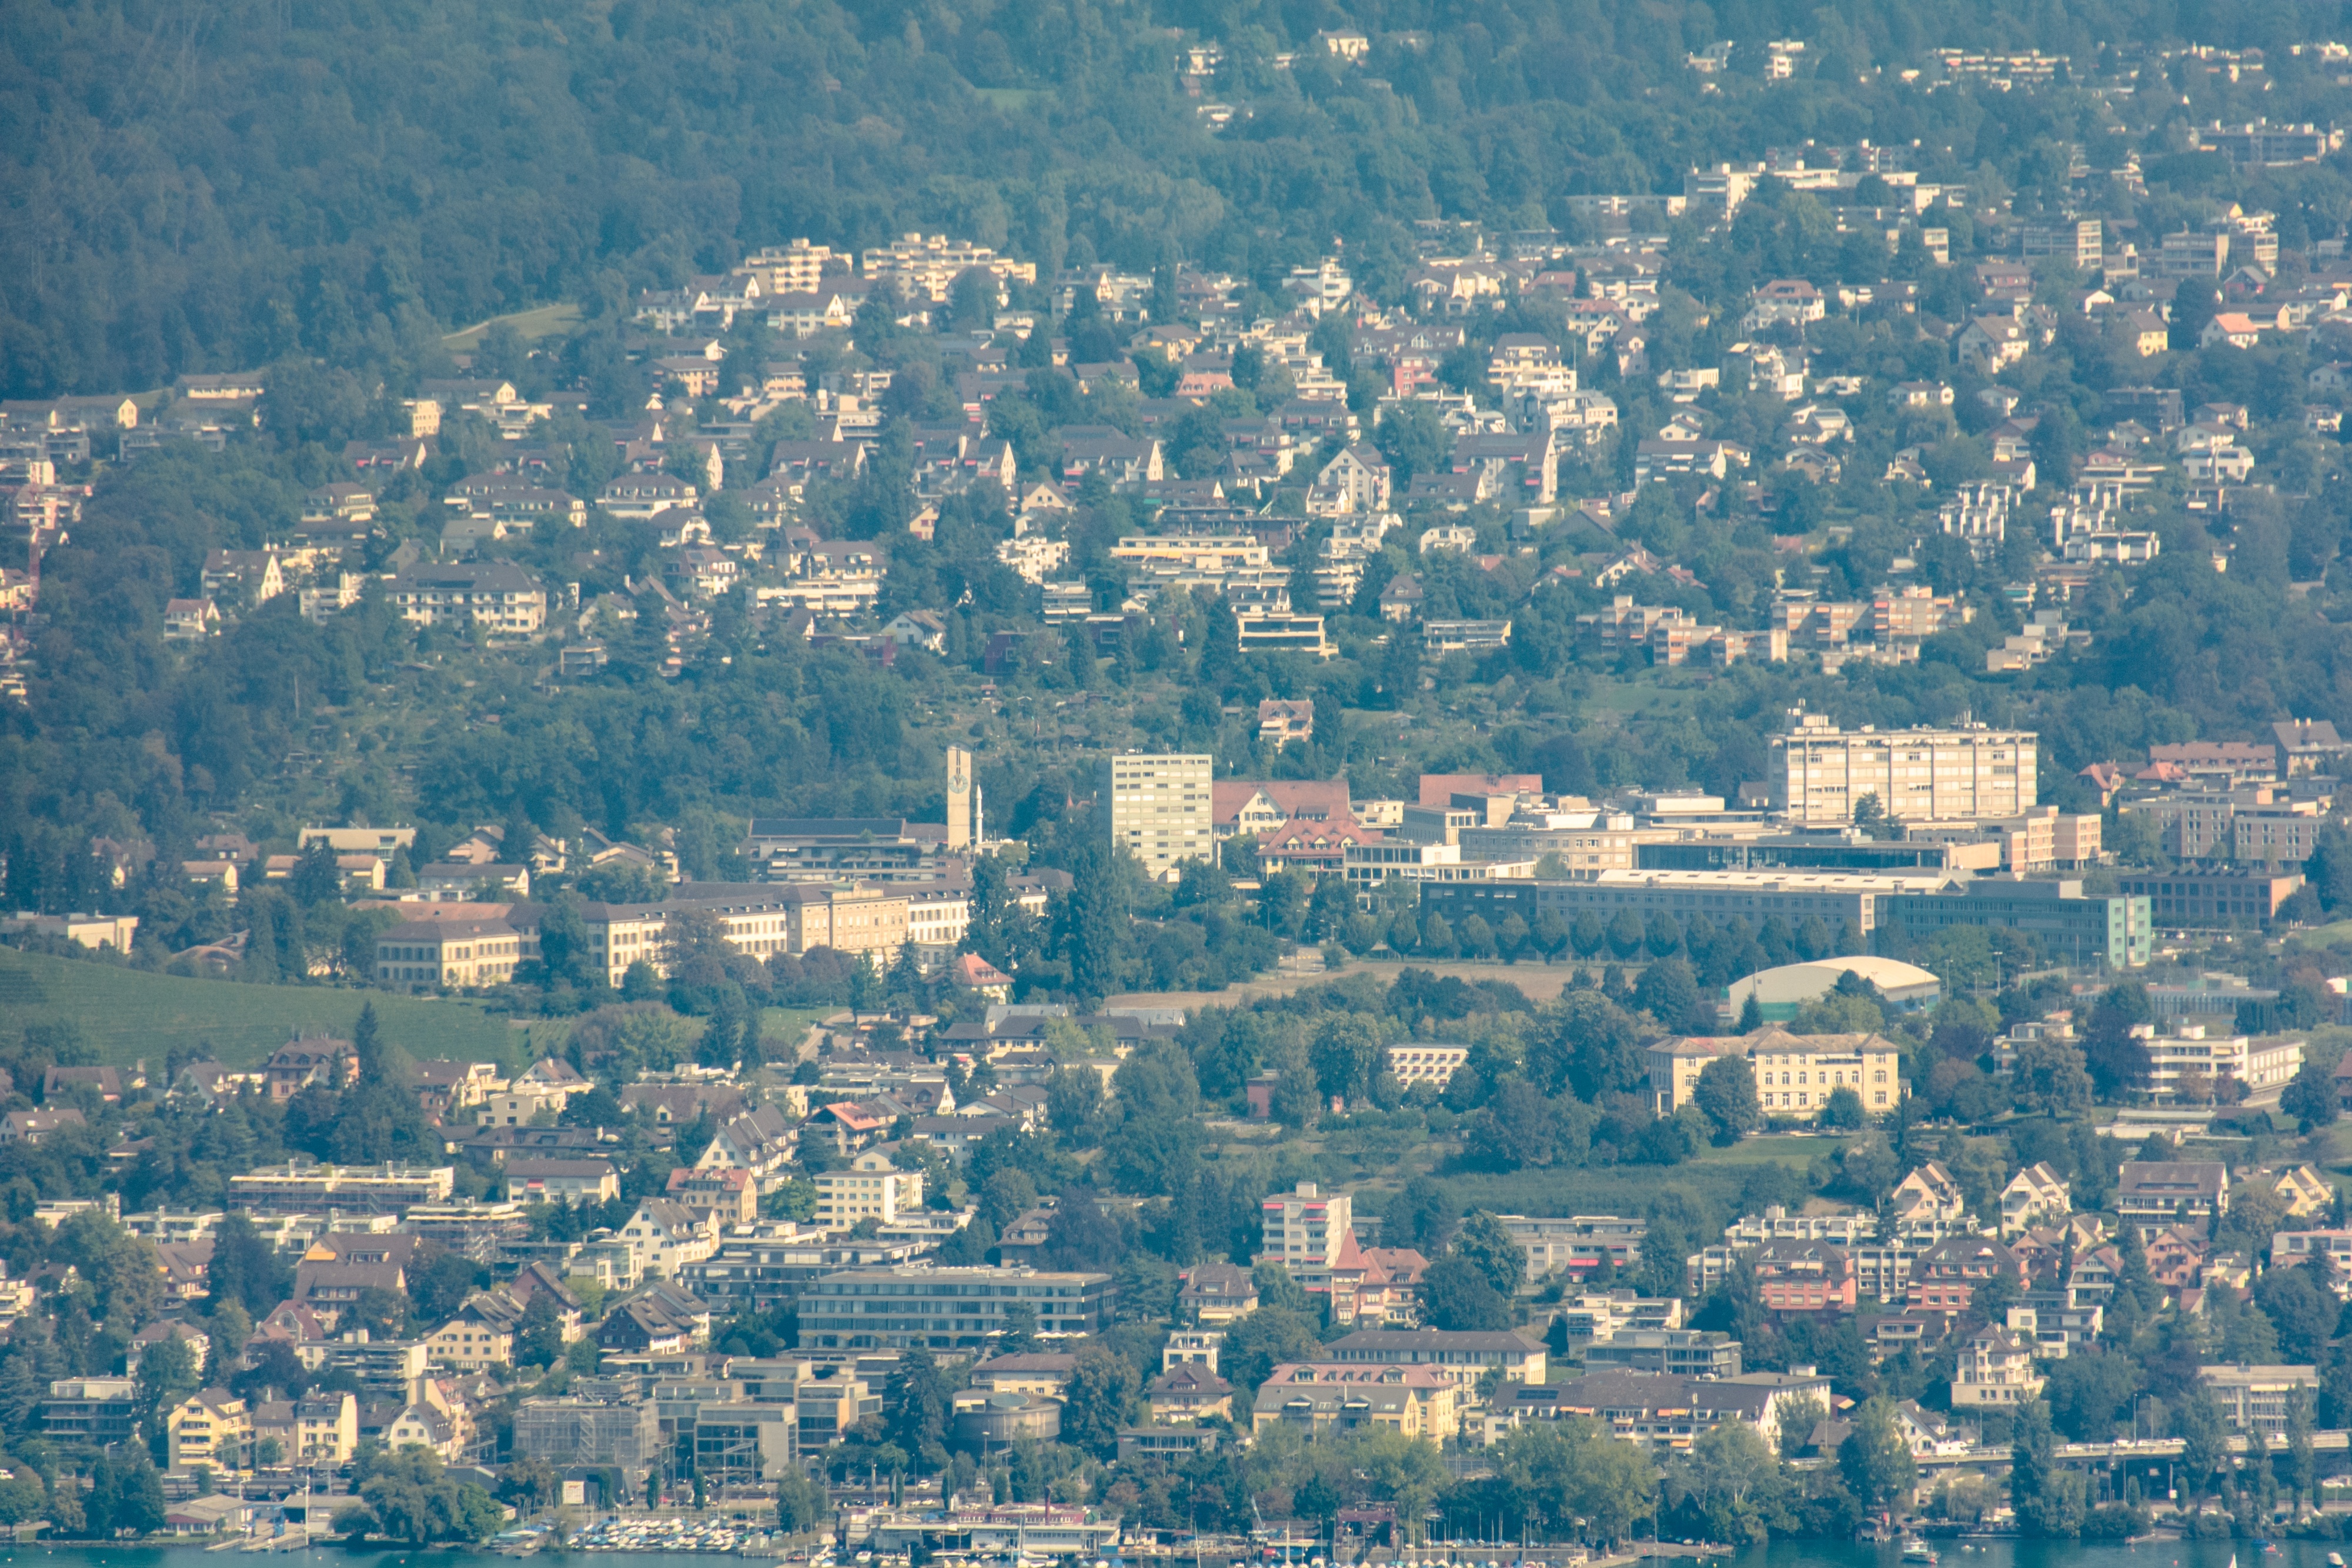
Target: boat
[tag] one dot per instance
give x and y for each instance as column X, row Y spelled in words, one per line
column 2336, row 1560
column 1918, row 1551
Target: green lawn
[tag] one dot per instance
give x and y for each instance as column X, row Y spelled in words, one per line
column 130, row 1015
column 1773, row 1149
column 529, row 325
column 1012, row 100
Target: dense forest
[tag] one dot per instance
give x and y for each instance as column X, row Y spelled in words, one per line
column 192, row 190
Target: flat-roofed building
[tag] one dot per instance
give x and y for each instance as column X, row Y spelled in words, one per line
column 836, row 849
column 1161, row 807
column 1837, row 899
column 2115, row 932
column 2255, row 1398
column 1821, row 772
column 297, row 1188
column 917, row 1305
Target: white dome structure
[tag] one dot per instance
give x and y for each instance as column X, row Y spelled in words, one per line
column 1781, row 992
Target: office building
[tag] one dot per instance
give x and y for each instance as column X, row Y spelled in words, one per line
column 2255, row 1398
column 1160, row 809
column 1836, row 899
column 1819, row 772
column 917, row 1305
column 1370, row 864
column 2074, row 928
column 2182, row 899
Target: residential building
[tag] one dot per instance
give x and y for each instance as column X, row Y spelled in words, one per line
column 1426, row 1063
column 1687, row 1353
column 1305, row 1231
column 1995, row 1369
column 1577, row 1244
column 1217, row 1293
column 2156, row 1194
column 1464, row 1356
column 1819, row 772
column 1660, row 1409
column 871, row 1187
column 2191, row 1062
column 1324, row 1397
column 571, row 1182
column 1804, row 1277
column 93, row 1410
column 2035, row 1196
column 302, row 1188
column 1185, row 1395
column 945, row 1308
column 1944, row 1277
column 1160, row 809
column 499, row 596
column 666, row 1236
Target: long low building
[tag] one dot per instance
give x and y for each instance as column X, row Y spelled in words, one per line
column 1464, row 1355
column 918, row 1306
column 1663, row 1409
column 2074, row 928
column 358, row 1189
column 1837, row 899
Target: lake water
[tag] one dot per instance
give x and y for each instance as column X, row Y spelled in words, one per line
column 2050, row 1554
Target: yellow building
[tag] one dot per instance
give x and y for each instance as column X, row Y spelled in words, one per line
column 873, row 1187
column 210, row 1427
column 1795, row 1074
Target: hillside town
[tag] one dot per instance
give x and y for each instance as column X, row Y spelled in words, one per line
column 1664, row 860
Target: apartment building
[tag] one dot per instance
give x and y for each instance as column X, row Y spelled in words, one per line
column 918, row 1304
column 1995, row 1369
column 499, row 596
column 2189, row 1064
column 1819, row 772
column 871, row 1188
column 1161, row 807
column 303, row 1189
column 1305, row 1231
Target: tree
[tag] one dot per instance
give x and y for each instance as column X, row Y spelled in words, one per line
column 2302, row 1471
column 1099, row 1401
column 1457, row 1295
column 2048, row 1500
column 1875, row 1461
column 1726, row 1096
column 245, row 1269
column 2310, row 1099
column 2090, row 1391
column 1487, row 1244
column 1844, row 1110
column 1267, row 1338
column 2204, row 1437
column 1668, row 992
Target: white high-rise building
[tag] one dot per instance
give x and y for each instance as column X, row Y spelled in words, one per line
column 1819, row 771
column 1160, row 808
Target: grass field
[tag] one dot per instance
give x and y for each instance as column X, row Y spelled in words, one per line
column 1773, row 1149
column 130, row 1015
column 545, row 322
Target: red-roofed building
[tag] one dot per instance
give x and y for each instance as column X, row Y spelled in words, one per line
column 1319, row 847
column 1377, row 1285
column 1253, row 805
column 971, row 972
